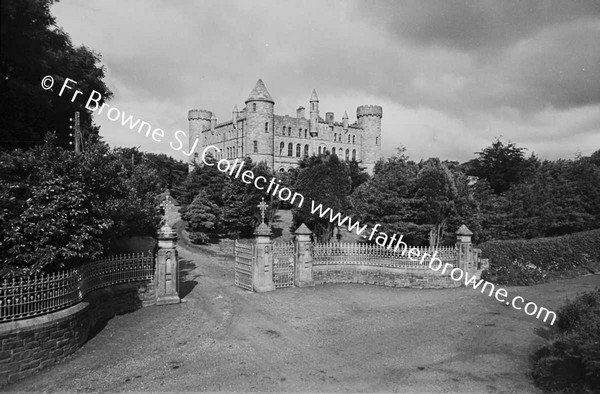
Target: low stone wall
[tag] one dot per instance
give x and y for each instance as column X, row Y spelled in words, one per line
column 383, row 276
column 29, row 345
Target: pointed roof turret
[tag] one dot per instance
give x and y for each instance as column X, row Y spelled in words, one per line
column 345, row 115
column 314, row 96
column 235, row 109
column 260, row 93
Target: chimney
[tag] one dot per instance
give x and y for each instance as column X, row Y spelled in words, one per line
column 213, row 122
column 329, row 118
column 345, row 120
column 300, row 113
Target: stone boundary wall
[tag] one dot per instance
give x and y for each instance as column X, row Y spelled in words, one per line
column 29, row 345
column 421, row 278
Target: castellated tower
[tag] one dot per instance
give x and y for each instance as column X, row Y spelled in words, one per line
column 260, row 125
column 199, row 119
column 369, row 119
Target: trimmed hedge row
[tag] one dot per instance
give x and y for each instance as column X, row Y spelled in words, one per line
column 531, row 261
column 570, row 362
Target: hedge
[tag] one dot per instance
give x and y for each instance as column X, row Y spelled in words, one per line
column 531, row 261
column 570, row 361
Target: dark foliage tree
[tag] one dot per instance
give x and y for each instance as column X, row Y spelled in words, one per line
column 325, row 180
column 502, row 165
column 60, row 208
column 417, row 200
column 201, row 216
column 32, row 46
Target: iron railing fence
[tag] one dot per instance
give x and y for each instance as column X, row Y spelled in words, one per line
column 368, row 254
column 23, row 298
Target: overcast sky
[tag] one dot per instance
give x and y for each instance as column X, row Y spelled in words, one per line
column 450, row 75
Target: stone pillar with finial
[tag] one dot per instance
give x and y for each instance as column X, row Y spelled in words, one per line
column 262, row 275
column 464, row 248
column 303, row 269
column 167, row 266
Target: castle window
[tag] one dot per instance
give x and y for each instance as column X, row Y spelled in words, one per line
column 282, row 169
column 319, row 150
column 266, row 127
column 353, row 139
column 348, row 138
column 353, row 154
column 290, row 149
column 376, row 140
column 254, row 107
column 347, row 154
column 299, row 133
column 305, row 133
column 335, row 136
column 255, row 146
column 298, row 150
column 340, row 137
column 281, row 148
column 306, row 150
column 289, row 131
column 333, row 151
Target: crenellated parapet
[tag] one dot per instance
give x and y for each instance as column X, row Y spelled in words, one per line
column 199, row 114
column 369, row 110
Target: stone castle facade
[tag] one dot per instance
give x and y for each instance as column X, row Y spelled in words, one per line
column 281, row 140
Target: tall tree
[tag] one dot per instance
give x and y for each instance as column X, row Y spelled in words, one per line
column 502, row 165
column 32, row 46
column 325, row 180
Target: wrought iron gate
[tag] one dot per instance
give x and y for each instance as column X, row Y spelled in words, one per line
column 244, row 260
column 284, row 255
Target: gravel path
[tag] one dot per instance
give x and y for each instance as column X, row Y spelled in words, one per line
column 331, row 338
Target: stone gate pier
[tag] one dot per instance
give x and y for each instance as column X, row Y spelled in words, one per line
column 302, row 263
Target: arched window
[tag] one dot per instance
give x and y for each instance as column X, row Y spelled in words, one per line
column 348, row 138
column 353, row 154
column 299, row 133
column 298, row 150
column 266, row 127
column 347, row 154
column 254, row 107
column 255, row 146
column 282, row 169
column 335, row 136
column 333, row 151
column 306, row 150
column 290, row 149
column 319, row 150
column 289, row 131
column 305, row 133
column 353, row 139
column 340, row 137
column 281, row 148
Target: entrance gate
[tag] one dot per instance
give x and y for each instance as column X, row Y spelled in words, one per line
column 284, row 254
column 244, row 260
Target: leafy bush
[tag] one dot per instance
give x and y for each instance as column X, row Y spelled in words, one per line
column 570, row 362
column 60, row 208
column 526, row 262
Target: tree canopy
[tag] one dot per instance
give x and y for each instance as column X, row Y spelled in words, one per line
column 32, row 47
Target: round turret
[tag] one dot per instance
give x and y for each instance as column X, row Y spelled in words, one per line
column 198, row 120
column 369, row 120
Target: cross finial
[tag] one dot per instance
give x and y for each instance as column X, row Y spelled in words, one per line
column 165, row 205
column 263, row 207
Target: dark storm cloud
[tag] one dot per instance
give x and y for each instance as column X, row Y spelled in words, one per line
column 522, row 54
column 474, row 25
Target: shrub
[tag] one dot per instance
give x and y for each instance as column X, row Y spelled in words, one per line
column 570, row 362
column 526, row 262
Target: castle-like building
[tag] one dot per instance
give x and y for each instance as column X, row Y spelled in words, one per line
column 281, row 140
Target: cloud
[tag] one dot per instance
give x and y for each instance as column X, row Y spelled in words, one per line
column 451, row 75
